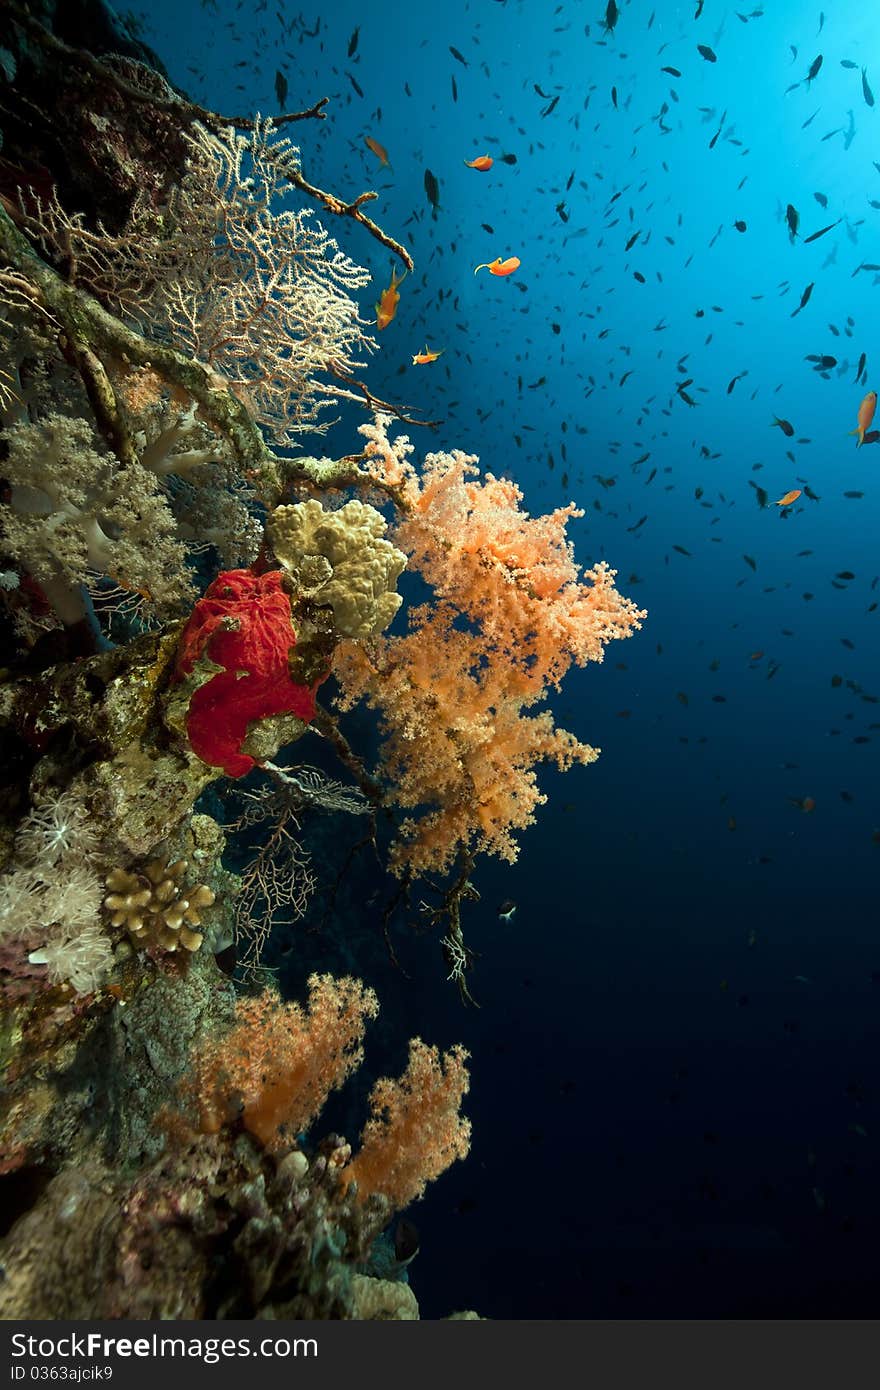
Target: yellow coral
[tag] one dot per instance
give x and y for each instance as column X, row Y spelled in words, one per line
column 341, row 559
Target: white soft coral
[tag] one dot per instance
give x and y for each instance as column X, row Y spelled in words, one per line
column 53, row 893
column 57, row 828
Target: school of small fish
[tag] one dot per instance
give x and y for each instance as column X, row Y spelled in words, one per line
column 626, row 370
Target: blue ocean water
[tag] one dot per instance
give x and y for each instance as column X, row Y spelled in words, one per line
column 675, row 1061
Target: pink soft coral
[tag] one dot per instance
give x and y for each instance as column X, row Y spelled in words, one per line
column 459, row 747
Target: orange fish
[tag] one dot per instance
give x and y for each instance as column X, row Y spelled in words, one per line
column 789, row 497
column 866, row 415
column 387, row 306
column 499, row 267
column 427, row 356
column 483, row 162
column 378, row 150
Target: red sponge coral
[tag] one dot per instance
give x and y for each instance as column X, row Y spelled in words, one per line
column 243, row 624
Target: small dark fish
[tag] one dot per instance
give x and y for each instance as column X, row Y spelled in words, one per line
column 805, row 299
column 821, row 199
column 740, row 226
column 792, row 219
column 632, row 241
column 486, row 228
column 612, row 15
column 715, row 138
column 866, row 90
column 614, row 98
column 814, row 236
column 281, row 88
column 784, row 425
column 353, row 42
column 848, row 63
column 227, row 958
column 637, row 275
column 358, row 89
column 459, row 57
column 823, row 363
column 454, row 88
column 861, row 366
column 506, row 910
column 814, row 68
column 673, row 72
column 551, row 106
column 406, row 1241
column 706, row 52
column 508, row 159
column 432, row 188
column 681, row 550
column 751, row 562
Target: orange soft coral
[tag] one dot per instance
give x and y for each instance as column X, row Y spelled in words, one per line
column 459, row 747
column 416, row 1131
column 280, row 1062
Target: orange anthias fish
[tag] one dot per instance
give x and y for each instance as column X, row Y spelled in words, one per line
column 378, row 150
column 866, row 415
column 421, row 358
column 387, row 306
column 483, row 162
column 499, row 267
column 789, row 497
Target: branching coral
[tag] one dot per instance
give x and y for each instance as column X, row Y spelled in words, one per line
column 155, row 907
column 277, row 881
column 258, row 292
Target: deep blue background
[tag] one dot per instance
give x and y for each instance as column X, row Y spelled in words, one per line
column 679, row 1030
